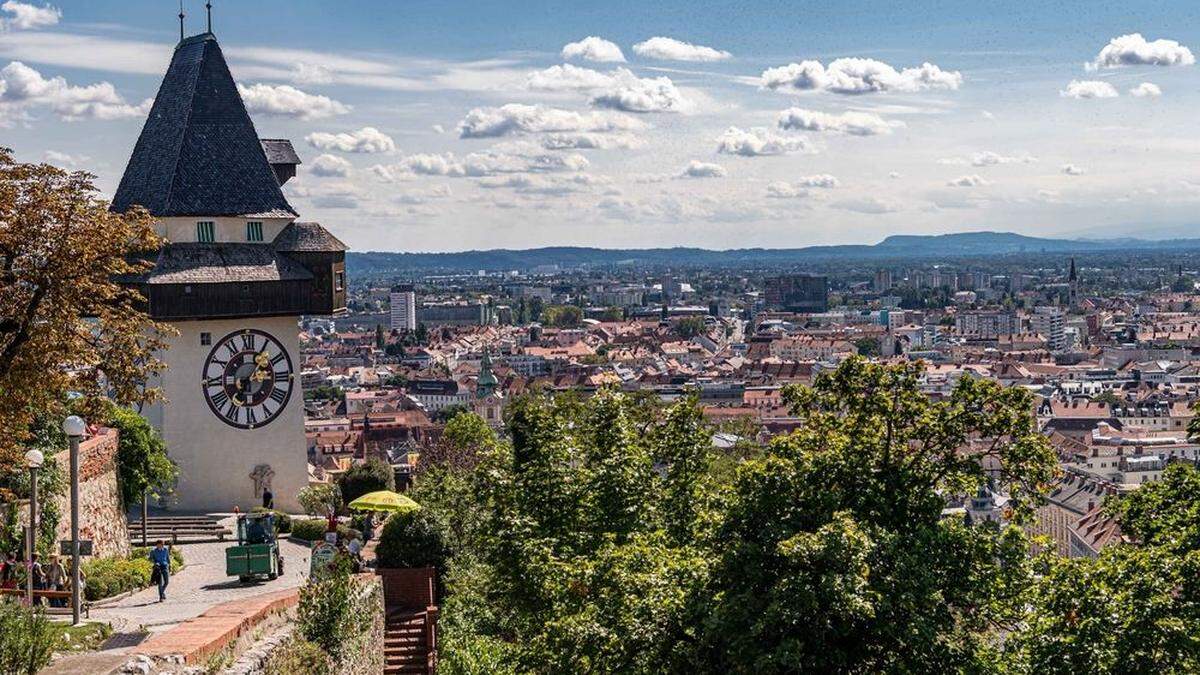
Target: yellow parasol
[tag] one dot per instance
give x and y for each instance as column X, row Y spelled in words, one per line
column 384, row 500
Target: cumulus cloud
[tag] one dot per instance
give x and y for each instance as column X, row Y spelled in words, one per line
column 22, row 87
column 851, row 122
column 26, row 16
column 869, row 205
column 698, row 169
column 592, row 48
column 784, row 190
column 989, row 158
column 365, row 140
column 670, row 49
column 287, row 101
column 589, row 141
column 1072, row 170
column 758, row 141
column 800, row 187
column 1134, row 50
column 858, row 76
column 478, row 164
column 328, row 194
column 1146, row 90
column 619, row 89
column 1088, row 89
column 517, row 118
column 967, row 181
column 329, row 165
column 311, row 73
column 63, row 159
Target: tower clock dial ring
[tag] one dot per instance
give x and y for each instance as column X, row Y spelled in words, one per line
column 247, row 378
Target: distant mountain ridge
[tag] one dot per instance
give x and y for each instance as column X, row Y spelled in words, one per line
column 894, row 246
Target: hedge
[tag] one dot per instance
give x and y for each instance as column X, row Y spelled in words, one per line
column 411, row 540
column 314, row 530
column 283, row 521
column 106, row 577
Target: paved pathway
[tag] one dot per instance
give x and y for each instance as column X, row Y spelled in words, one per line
column 200, row 585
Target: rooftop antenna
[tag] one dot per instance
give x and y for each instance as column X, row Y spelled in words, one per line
column 181, row 15
column 208, row 7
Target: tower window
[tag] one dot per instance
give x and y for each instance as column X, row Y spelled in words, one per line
column 206, row 232
column 339, row 281
column 254, row 231
column 205, row 339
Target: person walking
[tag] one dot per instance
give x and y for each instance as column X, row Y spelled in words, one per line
column 56, row 580
column 268, row 499
column 160, row 556
column 8, row 573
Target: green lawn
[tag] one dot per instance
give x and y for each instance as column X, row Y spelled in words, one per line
column 84, row 637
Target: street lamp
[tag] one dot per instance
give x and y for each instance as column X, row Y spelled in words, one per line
column 74, row 427
column 34, row 460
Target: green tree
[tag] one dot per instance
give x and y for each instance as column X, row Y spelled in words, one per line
column 320, row 500
column 833, row 555
column 562, row 316
column 143, row 466
column 370, row 476
column 380, row 336
column 867, row 346
column 689, row 327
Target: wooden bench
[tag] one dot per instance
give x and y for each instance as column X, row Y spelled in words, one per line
column 84, row 605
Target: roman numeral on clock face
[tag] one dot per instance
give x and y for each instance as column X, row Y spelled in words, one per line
column 278, row 395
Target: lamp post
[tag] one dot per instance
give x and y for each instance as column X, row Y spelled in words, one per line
column 34, row 460
column 74, row 427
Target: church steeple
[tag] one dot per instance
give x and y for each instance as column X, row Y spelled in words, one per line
column 486, row 384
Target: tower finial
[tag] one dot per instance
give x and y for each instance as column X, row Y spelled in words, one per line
column 181, row 15
column 208, row 8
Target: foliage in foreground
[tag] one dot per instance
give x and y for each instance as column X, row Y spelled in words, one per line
column 608, row 535
column 27, row 639
column 338, row 613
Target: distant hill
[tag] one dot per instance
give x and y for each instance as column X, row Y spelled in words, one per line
column 896, row 246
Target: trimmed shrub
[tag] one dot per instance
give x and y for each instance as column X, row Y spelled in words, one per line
column 106, row 577
column 411, row 540
column 314, row 530
column 370, row 476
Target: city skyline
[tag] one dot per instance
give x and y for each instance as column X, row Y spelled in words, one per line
column 443, row 128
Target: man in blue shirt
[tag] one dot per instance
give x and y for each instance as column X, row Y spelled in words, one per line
column 160, row 556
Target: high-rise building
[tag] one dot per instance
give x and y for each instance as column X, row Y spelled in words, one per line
column 883, row 281
column 1048, row 322
column 804, row 293
column 234, row 276
column 985, row 324
column 403, row 305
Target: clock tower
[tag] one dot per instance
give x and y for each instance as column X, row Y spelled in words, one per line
column 235, row 275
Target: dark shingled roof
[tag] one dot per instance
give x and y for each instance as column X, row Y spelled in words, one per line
column 198, row 154
column 307, row 237
column 280, row 151
column 191, row 263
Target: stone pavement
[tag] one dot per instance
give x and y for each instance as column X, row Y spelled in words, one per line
column 200, row 585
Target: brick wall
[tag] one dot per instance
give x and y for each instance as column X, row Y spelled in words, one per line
column 100, row 516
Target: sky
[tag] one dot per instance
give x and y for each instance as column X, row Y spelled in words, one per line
column 446, row 126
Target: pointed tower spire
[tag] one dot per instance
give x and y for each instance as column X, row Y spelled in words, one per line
column 208, row 8
column 181, row 15
column 1071, row 277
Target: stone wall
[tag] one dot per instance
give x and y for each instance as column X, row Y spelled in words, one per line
column 101, row 518
column 363, row 652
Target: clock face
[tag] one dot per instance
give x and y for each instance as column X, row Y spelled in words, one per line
column 247, row 378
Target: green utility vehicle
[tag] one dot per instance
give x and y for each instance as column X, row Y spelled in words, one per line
column 256, row 554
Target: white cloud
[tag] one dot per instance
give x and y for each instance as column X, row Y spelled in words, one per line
column 438, row 129
column 858, row 76
column 478, row 164
column 1072, row 170
column 1089, row 89
column 517, row 118
column 783, row 190
column 989, row 158
column 329, row 165
column 821, row 180
column 619, row 88
column 287, row 101
column 1146, row 90
column 850, row 122
column 1134, row 50
column 22, row 87
column 63, row 159
column 894, row 174
column 593, row 48
column 366, row 140
column 967, row 181
column 589, row 141
column 698, row 169
column 869, row 205
column 311, row 73
column 670, row 49
column 759, row 141
column 327, row 194
column 26, row 16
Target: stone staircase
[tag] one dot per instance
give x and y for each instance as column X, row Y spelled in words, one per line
column 406, row 644
column 178, row 530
